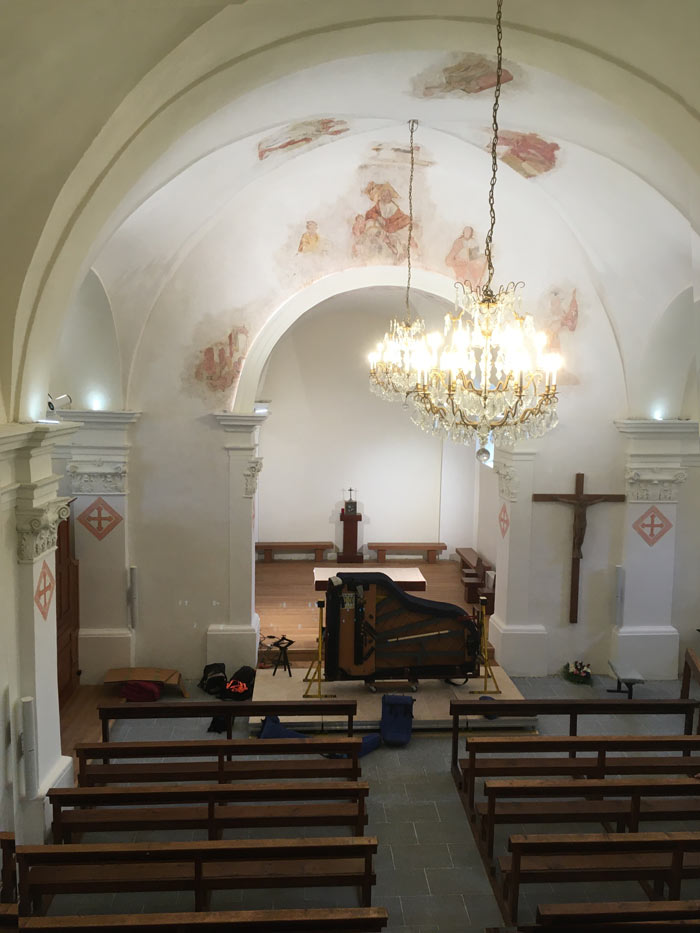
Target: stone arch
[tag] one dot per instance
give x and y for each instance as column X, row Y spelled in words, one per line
column 160, row 109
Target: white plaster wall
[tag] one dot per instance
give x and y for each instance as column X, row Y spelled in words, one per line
column 9, row 657
column 487, row 530
column 686, row 592
column 458, row 496
column 86, row 361
column 327, row 431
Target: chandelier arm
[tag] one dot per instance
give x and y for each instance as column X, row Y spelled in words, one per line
column 494, row 155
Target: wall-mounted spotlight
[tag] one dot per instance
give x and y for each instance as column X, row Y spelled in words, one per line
column 61, row 401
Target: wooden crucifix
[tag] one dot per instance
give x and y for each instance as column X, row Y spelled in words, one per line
column 580, row 502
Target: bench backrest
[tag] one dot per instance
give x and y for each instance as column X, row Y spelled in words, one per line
column 229, row 710
column 229, row 850
column 7, row 870
column 592, row 743
column 212, row 748
column 571, row 708
column 646, row 787
column 243, row 792
column 594, row 843
column 349, row 920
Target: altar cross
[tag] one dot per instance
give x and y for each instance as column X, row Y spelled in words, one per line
column 580, row 502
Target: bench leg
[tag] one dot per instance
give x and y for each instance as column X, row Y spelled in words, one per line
column 432, row 556
column 318, row 555
column 267, row 555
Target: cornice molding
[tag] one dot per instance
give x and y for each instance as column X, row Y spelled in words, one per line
column 239, row 424
column 102, row 420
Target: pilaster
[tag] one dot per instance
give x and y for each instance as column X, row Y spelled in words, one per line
column 236, row 641
column 95, row 468
column 658, row 453
column 38, row 512
column 520, row 645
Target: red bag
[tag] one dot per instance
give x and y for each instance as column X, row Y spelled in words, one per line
column 140, row 691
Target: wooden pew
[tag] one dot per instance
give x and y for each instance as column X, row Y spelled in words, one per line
column 691, row 671
column 659, row 858
column 574, row 915
column 8, row 916
column 474, row 570
column 624, row 801
column 329, row 920
column 269, row 548
column 431, row 549
column 596, row 765
column 571, row 708
column 200, row 867
column 230, row 709
column 8, row 873
column 213, row 807
column 214, row 760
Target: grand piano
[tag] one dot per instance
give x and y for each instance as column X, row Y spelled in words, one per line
column 376, row 631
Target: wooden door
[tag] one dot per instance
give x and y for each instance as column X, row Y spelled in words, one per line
column 67, row 615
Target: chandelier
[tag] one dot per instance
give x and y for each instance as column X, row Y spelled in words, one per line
column 489, row 374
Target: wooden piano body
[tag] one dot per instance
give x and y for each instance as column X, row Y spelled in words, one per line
column 376, row 631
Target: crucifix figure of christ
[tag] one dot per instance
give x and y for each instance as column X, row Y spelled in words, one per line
column 580, row 502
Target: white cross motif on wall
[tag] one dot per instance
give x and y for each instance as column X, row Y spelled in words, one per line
column 652, row 526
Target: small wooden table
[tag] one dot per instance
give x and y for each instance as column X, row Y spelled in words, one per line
column 408, row 578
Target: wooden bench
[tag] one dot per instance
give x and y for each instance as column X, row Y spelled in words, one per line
column 624, row 675
column 200, row 867
column 8, row 916
column 691, row 671
column 268, row 548
column 572, row 708
column 431, row 550
column 212, row 807
column 596, row 765
column 659, row 858
column 623, row 801
column 211, row 760
column 474, row 570
column 329, row 920
column 8, row 872
column 574, row 915
column 207, row 709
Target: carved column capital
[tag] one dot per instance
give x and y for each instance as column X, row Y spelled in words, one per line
column 654, row 483
column 250, row 476
column 37, row 528
column 97, row 477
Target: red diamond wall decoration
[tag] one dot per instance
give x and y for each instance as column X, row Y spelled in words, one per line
column 503, row 520
column 652, row 526
column 99, row 518
column 43, row 594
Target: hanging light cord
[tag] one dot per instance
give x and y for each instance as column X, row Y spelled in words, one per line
column 488, row 294
column 412, row 124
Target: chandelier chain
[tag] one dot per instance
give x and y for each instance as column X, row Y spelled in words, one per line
column 494, row 143
column 412, row 124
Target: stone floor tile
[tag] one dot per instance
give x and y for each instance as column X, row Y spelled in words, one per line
column 458, row 880
column 394, row 833
column 436, row 855
column 443, row 832
column 429, row 909
column 412, row 812
column 401, row 881
column 483, row 910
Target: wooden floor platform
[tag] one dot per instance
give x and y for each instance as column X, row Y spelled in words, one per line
column 285, row 598
column 431, row 709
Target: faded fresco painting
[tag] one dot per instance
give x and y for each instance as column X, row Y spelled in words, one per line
column 300, row 134
column 527, row 153
column 469, row 73
column 220, row 363
column 466, row 258
column 557, row 317
column 311, row 240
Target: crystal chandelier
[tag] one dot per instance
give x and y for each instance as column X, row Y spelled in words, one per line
column 490, row 374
